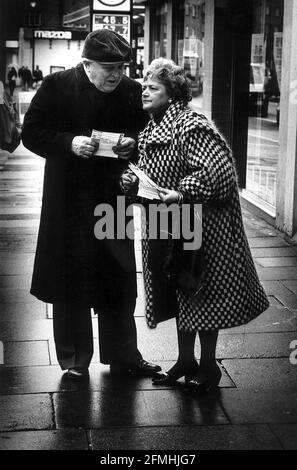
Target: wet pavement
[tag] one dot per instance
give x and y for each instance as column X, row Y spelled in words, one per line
column 255, row 407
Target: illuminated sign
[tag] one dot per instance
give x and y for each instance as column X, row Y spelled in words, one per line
column 78, row 19
column 115, row 5
column 14, row 44
column 53, row 34
column 118, row 23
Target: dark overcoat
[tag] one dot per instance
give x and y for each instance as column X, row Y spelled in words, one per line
column 70, row 263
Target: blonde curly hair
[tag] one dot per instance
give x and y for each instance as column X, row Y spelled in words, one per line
column 172, row 77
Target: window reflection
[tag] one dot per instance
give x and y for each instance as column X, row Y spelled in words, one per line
column 188, row 38
column 264, row 97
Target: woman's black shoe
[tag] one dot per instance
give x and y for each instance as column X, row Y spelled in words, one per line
column 176, row 372
column 207, row 380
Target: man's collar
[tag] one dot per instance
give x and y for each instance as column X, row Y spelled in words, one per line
column 81, row 76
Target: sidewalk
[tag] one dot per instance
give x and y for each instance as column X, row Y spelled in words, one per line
column 256, row 407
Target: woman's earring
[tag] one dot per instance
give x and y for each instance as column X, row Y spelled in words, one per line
column 170, row 100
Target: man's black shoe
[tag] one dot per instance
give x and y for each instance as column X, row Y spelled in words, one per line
column 144, row 369
column 141, row 368
column 78, row 373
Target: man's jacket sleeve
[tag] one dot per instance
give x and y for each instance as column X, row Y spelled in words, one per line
column 40, row 132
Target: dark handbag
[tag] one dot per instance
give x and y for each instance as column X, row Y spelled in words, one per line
column 163, row 280
column 173, row 268
column 187, row 267
column 190, row 273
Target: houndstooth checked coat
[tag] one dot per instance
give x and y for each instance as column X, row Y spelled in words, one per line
column 186, row 152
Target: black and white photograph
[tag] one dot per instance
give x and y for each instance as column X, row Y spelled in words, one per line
column 148, row 230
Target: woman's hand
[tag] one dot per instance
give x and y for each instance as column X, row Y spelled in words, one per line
column 126, row 148
column 169, row 195
column 128, row 182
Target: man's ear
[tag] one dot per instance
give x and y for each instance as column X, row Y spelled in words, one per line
column 87, row 64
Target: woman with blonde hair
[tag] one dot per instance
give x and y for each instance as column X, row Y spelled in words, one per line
column 188, row 158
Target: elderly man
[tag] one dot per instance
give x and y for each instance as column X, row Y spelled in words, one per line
column 73, row 270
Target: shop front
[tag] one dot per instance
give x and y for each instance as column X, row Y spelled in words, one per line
column 53, row 50
column 240, row 62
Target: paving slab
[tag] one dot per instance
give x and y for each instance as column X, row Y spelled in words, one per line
column 281, row 262
column 254, row 345
column 20, row 412
column 19, row 217
column 276, row 373
column 63, row 439
column 274, row 301
column 287, row 434
column 267, row 242
column 134, row 408
column 13, row 265
column 270, row 274
column 22, row 330
column 276, row 318
column 21, row 167
column 259, row 406
column 17, row 311
column 291, row 285
column 30, row 223
column 281, row 292
column 273, row 252
column 223, row 437
column 161, row 343
column 275, row 287
column 15, row 295
column 259, row 232
column 16, row 282
column 26, row 353
column 289, row 300
column 42, row 379
column 23, row 175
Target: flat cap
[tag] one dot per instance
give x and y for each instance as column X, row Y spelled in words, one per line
column 105, row 45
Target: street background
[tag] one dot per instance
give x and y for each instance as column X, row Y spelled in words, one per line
column 255, row 407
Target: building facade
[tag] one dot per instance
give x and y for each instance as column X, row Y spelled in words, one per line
column 49, row 34
column 240, row 59
column 239, row 56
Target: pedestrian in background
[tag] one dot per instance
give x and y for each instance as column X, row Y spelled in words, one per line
column 21, row 76
column 12, row 77
column 189, row 159
column 73, row 270
column 9, row 122
column 27, row 78
column 37, row 77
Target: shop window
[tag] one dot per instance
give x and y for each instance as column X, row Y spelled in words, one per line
column 188, row 45
column 264, row 98
column 159, row 31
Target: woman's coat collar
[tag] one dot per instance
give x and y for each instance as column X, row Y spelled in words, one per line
column 162, row 133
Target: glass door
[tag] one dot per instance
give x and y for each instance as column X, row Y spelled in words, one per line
column 264, row 98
